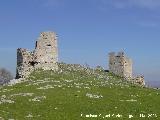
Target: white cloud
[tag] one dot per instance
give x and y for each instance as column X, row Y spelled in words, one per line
column 148, row 24
column 149, row 4
column 53, row 3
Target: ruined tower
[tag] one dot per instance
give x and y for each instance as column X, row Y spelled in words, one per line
column 43, row 57
column 120, row 64
column 46, row 52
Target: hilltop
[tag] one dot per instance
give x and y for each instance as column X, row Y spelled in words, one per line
column 75, row 92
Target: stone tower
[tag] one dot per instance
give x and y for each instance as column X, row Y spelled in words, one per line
column 45, row 55
column 120, row 64
column 46, row 52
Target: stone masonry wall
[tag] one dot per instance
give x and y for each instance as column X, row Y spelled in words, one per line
column 24, row 58
column 45, row 55
column 46, row 51
column 120, row 64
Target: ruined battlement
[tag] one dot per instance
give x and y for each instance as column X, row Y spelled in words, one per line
column 44, row 56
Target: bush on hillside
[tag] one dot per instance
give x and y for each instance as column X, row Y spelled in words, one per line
column 5, row 76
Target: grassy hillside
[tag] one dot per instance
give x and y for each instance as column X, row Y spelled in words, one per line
column 77, row 93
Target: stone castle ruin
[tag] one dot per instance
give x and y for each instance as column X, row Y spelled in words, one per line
column 45, row 55
column 121, row 65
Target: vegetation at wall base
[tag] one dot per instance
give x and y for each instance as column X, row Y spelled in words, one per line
column 76, row 92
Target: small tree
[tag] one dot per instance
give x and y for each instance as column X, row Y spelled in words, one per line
column 5, row 76
column 99, row 68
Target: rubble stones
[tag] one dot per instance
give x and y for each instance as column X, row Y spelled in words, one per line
column 140, row 80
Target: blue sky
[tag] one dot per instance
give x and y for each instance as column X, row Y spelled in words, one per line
column 88, row 30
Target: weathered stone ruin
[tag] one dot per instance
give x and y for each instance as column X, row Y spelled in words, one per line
column 139, row 80
column 45, row 55
column 121, row 65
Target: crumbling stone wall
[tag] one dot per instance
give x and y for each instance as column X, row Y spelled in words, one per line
column 45, row 55
column 120, row 64
column 140, row 80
